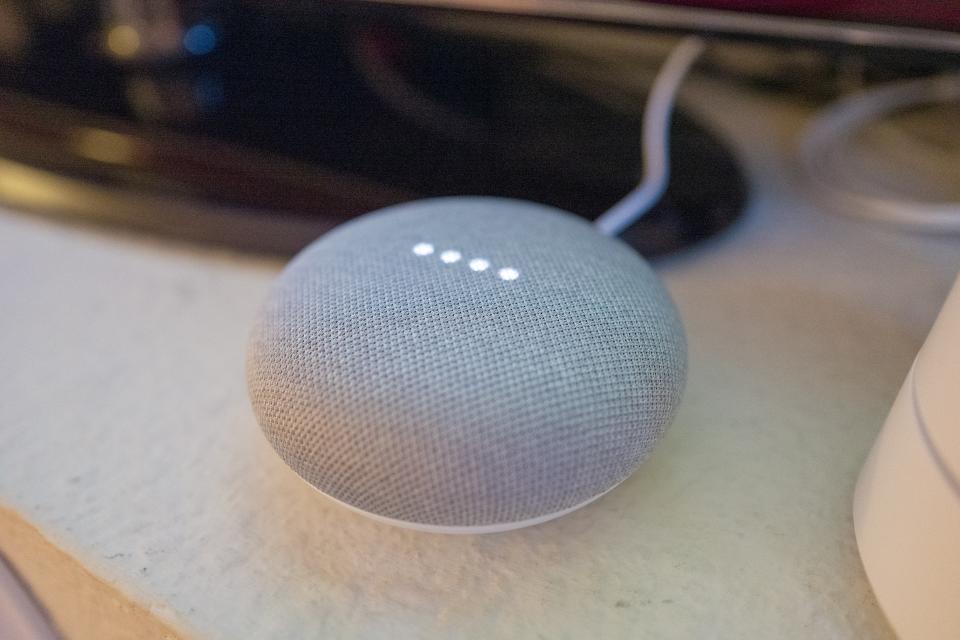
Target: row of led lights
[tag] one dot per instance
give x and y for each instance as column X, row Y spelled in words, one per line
column 451, row 256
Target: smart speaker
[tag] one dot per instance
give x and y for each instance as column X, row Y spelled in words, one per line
column 906, row 509
column 466, row 364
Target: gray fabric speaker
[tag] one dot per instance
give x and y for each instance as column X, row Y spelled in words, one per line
column 466, row 364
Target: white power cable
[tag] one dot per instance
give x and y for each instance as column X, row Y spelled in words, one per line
column 837, row 124
column 656, row 140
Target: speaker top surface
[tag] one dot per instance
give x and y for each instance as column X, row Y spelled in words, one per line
column 466, row 362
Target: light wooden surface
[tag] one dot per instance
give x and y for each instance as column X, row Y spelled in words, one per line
column 126, row 438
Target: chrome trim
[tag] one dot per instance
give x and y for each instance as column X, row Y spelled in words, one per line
column 637, row 13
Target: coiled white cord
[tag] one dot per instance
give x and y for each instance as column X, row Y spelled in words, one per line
column 837, row 124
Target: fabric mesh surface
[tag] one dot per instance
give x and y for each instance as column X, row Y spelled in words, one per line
column 435, row 394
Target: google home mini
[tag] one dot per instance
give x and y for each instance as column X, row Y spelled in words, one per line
column 466, row 364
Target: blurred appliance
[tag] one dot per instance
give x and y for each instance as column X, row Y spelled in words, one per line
column 920, row 25
column 262, row 124
column 907, row 504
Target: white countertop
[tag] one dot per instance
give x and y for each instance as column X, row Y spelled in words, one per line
column 127, row 440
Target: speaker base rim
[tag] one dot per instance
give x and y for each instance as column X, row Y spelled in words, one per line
column 499, row 527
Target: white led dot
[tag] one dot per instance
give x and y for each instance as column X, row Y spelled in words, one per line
column 479, row 264
column 450, row 256
column 508, row 273
column 423, row 249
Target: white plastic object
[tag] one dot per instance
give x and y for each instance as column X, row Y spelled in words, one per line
column 907, row 501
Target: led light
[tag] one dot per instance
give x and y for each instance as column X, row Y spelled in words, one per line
column 479, row 264
column 200, row 39
column 508, row 273
column 123, row 41
column 450, row 256
column 423, row 249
